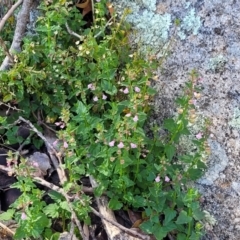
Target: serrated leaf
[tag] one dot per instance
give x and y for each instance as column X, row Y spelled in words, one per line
column 194, row 174
column 64, row 205
column 183, row 218
column 181, row 236
column 194, row 236
column 80, row 108
column 186, row 158
column 51, row 210
column 170, row 151
column 139, row 201
column 169, row 124
column 6, row 216
column 98, row 191
column 37, row 143
column 115, row 204
column 169, row 215
column 160, row 204
column 147, row 227
column 7, row 98
column 55, row 196
column 198, row 214
column 159, row 232
column 170, row 227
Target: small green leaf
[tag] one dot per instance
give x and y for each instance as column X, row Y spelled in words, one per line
column 186, row 158
column 147, row 227
column 37, row 143
column 159, row 232
column 80, row 108
column 7, row 98
column 151, row 176
column 183, row 218
column 181, row 236
column 115, row 204
column 52, row 210
column 2, row 119
column 194, row 236
column 169, row 215
column 160, row 204
column 55, row 196
column 98, row 191
column 194, row 174
column 6, row 216
column 170, row 227
column 198, row 214
column 139, row 201
column 64, row 205
column 170, row 151
column 170, row 125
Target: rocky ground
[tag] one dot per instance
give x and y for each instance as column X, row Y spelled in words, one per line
column 217, row 39
column 215, row 53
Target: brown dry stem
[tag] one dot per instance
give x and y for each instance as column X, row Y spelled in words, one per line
column 22, row 20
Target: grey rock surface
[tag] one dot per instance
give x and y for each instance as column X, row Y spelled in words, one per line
column 217, row 162
column 212, row 47
column 40, row 161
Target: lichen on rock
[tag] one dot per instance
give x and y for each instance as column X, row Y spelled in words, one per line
column 150, row 30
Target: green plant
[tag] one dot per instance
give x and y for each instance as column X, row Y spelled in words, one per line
column 99, row 90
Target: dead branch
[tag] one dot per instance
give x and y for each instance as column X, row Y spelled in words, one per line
column 4, row 47
column 9, row 13
column 9, row 106
column 109, row 22
column 22, row 20
column 124, row 229
column 7, row 229
column 55, row 158
column 7, row 170
column 109, row 221
column 114, row 223
column 61, row 191
column 71, row 32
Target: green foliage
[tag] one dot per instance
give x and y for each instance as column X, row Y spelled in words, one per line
column 101, row 91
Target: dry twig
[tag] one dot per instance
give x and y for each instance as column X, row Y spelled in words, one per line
column 9, row 13
column 53, row 154
column 8, row 230
column 4, row 47
column 61, row 191
column 71, row 32
column 109, row 22
column 9, row 106
column 108, row 216
column 22, row 20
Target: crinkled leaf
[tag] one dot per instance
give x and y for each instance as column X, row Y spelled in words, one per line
column 170, row 151
column 170, row 125
column 181, row 236
column 183, row 218
column 64, row 205
column 55, row 196
column 7, row 215
column 147, row 227
column 51, row 210
column 198, row 214
column 194, row 174
column 159, row 232
column 169, row 215
column 115, row 204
